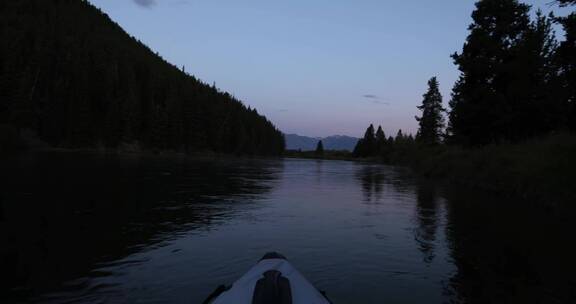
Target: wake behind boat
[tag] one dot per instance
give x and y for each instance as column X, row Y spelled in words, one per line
column 272, row 280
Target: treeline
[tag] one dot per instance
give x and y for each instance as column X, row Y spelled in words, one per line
column 517, row 82
column 72, row 77
column 376, row 144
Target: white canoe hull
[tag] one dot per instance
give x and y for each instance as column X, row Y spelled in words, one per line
column 242, row 291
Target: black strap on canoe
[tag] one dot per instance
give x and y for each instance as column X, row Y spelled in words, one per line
column 273, row 288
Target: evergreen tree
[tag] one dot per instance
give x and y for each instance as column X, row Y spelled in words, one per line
column 432, row 120
column 380, row 141
column 532, row 88
column 410, row 139
column 390, row 142
column 366, row 146
column 359, row 148
column 566, row 57
column 482, row 103
column 400, row 139
column 370, row 141
column 319, row 149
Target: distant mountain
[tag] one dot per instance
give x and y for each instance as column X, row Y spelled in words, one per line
column 297, row 142
column 339, row 142
column 305, row 143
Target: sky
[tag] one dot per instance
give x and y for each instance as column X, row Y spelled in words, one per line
column 313, row 67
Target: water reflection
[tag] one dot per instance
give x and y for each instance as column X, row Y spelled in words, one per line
column 96, row 229
column 504, row 250
column 372, row 179
column 63, row 214
column 508, row 251
column 375, row 179
column 427, row 218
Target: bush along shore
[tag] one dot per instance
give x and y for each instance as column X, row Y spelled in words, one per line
column 540, row 170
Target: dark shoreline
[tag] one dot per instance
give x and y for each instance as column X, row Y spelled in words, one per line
column 541, row 171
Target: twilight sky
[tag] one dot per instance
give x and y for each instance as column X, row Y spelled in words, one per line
column 314, row 68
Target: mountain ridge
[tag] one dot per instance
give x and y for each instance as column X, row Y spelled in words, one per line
column 307, row 143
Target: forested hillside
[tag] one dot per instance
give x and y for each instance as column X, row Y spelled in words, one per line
column 72, row 77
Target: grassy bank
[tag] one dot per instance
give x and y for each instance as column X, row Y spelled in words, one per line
column 542, row 170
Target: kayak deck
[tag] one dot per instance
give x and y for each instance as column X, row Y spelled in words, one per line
column 272, row 280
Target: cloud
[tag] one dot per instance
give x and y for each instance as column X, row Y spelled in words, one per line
column 145, row 3
column 375, row 99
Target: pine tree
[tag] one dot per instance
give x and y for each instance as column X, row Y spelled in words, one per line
column 400, row 139
column 380, row 141
column 390, row 142
column 370, row 141
column 432, row 120
column 359, row 148
column 410, row 139
column 366, row 146
column 566, row 57
column 532, row 80
column 482, row 103
column 319, row 149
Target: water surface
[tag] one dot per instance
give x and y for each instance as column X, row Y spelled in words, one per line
column 89, row 228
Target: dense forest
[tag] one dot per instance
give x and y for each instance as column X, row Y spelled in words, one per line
column 517, row 83
column 71, row 77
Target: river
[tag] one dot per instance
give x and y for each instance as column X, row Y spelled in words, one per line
column 96, row 228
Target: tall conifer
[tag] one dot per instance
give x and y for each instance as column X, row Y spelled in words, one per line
column 482, row 103
column 432, row 120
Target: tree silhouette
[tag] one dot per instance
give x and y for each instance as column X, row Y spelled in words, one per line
column 369, row 140
column 566, row 56
column 432, row 120
column 516, row 82
column 319, row 149
column 380, row 141
column 482, row 99
column 400, row 139
column 366, row 146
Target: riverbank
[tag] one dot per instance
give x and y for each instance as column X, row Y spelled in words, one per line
column 541, row 170
column 14, row 141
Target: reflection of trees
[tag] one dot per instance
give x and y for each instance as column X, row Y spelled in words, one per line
column 374, row 179
column 371, row 180
column 427, row 219
column 507, row 251
column 64, row 214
